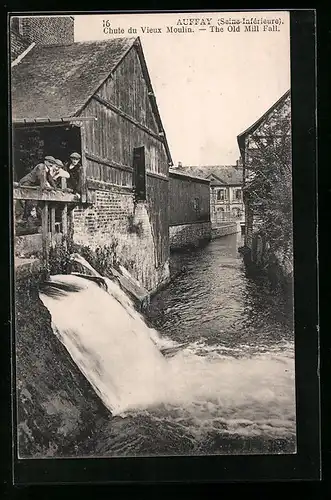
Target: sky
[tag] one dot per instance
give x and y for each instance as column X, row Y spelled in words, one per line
column 209, row 85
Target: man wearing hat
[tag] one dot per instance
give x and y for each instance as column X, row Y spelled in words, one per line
column 58, row 171
column 41, row 177
column 73, row 167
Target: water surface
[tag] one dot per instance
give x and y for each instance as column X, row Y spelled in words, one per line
column 226, row 384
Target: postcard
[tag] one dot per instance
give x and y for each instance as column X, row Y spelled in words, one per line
column 153, row 235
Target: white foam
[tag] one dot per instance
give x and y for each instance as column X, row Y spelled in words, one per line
column 203, row 387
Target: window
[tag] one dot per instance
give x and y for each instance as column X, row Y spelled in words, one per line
column 221, row 195
column 196, row 205
column 237, row 194
column 153, row 159
column 236, row 212
column 139, row 173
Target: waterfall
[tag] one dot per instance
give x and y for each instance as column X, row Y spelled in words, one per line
column 106, row 337
column 121, row 357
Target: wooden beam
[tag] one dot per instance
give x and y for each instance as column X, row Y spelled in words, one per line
column 129, row 118
column 84, row 165
column 107, row 162
column 120, row 166
column 157, row 176
column 94, row 184
column 152, row 99
column 71, row 223
column 186, row 177
column 53, row 122
column 34, row 193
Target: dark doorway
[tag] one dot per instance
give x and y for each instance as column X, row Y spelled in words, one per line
column 139, row 173
column 31, row 143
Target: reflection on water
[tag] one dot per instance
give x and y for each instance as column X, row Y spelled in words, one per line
column 216, row 301
column 229, row 385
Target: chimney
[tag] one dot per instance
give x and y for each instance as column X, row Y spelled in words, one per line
column 47, row 30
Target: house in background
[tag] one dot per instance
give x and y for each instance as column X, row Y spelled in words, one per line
column 96, row 98
column 189, row 207
column 226, row 199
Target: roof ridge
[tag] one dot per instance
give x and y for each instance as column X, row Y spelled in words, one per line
column 86, row 42
column 271, row 108
column 210, row 166
column 96, row 60
column 108, row 39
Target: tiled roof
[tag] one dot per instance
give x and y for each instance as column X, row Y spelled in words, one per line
column 57, row 80
column 226, row 175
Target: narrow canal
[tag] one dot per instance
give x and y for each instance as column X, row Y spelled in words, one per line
column 230, row 346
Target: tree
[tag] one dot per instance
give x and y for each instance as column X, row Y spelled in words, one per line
column 268, row 184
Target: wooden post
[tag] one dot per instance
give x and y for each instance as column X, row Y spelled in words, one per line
column 65, row 220
column 52, row 221
column 83, row 185
column 64, row 216
column 45, row 232
column 71, row 223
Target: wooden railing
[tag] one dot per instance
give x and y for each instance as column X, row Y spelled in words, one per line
column 50, row 202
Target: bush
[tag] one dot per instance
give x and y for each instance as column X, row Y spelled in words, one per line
column 135, row 227
column 59, row 259
column 102, row 259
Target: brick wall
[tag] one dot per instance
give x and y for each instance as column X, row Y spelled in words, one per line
column 18, row 44
column 186, row 235
column 45, row 30
column 114, row 218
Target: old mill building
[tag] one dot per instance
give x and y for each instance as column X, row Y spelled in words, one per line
column 96, row 98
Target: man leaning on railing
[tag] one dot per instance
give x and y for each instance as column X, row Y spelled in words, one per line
column 41, row 175
column 46, row 176
column 59, row 174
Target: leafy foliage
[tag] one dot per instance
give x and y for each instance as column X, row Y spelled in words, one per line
column 59, row 259
column 135, row 227
column 100, row 258
column 268, row 188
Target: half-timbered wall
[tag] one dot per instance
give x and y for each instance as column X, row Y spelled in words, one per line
column 276, row 126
